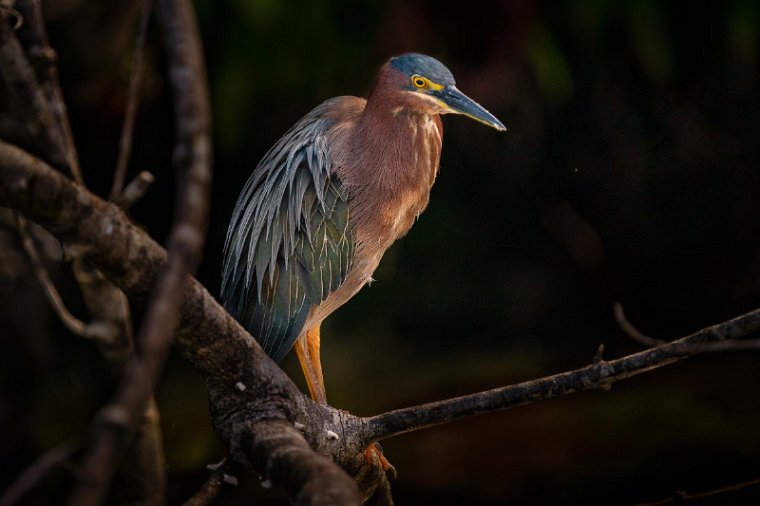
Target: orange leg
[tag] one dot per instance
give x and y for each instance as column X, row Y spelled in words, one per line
column 373, row 452
column 307, row 350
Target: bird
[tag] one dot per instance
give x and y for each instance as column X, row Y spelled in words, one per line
column 320, row 209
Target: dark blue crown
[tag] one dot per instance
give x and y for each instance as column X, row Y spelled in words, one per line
column 423, row 65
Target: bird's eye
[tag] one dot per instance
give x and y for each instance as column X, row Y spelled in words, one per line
column 418, row 81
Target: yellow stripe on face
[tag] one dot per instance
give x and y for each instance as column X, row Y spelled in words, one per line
column 434, row 86
column 434, row 100
column 444, row 105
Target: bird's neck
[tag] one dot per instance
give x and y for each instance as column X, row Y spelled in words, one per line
column 389, row 166
column 399, row 144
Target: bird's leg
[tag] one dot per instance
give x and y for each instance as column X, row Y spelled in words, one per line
column 307, row 350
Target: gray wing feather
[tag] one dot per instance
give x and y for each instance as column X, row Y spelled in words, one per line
column 288, row 244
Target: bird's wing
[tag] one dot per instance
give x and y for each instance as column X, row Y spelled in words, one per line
column 288, row 244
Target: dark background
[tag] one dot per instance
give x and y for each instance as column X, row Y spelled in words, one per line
column 628, row 173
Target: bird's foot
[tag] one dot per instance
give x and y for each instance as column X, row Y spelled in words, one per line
column 374, row 455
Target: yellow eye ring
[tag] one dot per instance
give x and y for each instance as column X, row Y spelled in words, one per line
column 419, row 81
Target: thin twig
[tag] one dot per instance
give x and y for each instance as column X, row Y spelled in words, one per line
column 720, row 346
column 133, row 99
column 632, row 332
column 135, row 190
column 35, row 473
column 71, row 322
column 208, row 492
column 6, row 6
column 116, row 421
column 683, row 496
column 210, row 489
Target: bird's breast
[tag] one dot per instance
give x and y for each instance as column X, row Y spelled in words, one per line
column 387, row 168
column 403, row 176
column 391, row 188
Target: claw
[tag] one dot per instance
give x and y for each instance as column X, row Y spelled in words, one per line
column 376, row 450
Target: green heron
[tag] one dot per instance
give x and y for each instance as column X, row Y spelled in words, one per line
column 327, row 200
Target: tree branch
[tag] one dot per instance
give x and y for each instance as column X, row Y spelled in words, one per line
column 284, row 457
column 599, row 375
column 134, row 191
column 133, row 98
column 630, row 330
column 40, row 92
column 143, row 472
column 682, row 496
column 212, row 486
column 641, row 338
column 34, row 474
column 117, row 421
column 71, row 322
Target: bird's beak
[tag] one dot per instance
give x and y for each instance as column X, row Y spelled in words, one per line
column 459, row 103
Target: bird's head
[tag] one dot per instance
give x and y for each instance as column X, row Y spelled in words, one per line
column 428, row 85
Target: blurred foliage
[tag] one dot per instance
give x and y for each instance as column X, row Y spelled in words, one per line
column 629, row 172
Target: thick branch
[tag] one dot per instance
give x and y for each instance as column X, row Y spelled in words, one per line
column 284, row 456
